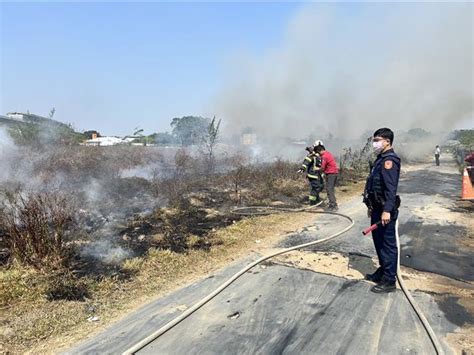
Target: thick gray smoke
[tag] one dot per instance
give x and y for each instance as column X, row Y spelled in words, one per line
column 15, row 166
column 106, row 201
column 396, row 65
column 7, row 150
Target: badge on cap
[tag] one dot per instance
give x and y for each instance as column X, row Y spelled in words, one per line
column 388, row 164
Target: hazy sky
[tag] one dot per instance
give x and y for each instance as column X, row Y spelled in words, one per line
column 117, row 66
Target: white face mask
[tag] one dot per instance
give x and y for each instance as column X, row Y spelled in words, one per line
column 378, row 146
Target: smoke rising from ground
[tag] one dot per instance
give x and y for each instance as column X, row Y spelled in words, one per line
column 90, row 177
column 6, row 151
column 106, row 251
column 396, row 65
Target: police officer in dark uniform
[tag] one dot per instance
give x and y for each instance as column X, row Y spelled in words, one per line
column 312, row 166
column 382, row 201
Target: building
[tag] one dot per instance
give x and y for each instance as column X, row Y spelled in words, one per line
column 104, row 141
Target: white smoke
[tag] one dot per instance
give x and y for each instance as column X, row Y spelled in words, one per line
column 396, row 65
column 15, row 166
column 106, row 251
column 7, row 151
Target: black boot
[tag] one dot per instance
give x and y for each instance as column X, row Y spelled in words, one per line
column 376, row 276
column 384, row 287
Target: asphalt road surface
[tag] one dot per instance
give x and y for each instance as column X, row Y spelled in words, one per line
column 277, row 309
column 429, row 233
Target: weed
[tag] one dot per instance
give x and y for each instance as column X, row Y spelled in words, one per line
column 34, row 227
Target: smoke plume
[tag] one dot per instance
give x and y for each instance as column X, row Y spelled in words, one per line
column 396, row 65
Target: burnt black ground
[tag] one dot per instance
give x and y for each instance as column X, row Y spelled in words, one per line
column 281, row 309
column 428, row 246
column 433, row 248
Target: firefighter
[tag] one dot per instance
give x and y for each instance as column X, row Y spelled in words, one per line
column 312, row 167
column 381, row 198
column 330, row 170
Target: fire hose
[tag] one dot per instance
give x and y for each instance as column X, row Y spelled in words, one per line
column 251, row 211
column 431, row 334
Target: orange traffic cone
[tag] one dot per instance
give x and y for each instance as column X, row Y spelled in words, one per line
column 467, row 192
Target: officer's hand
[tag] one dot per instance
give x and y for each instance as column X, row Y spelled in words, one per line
column 385, row 218
column 300, row 171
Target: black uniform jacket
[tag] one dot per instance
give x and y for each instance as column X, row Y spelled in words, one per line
column 383, row 181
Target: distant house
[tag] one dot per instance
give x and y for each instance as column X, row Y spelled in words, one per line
column 104, row 141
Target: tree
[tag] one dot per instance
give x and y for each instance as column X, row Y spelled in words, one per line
column 89, row 134
column 210, row 140
column 418, row 133
column 52, row 112
column 465, row 137
column 140, row 136
column 44, row 134
column 189, row 130
column 240, row 175
column 25, row 134
column 138, row 131
column 163, row 138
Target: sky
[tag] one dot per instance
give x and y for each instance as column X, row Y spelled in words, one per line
column 117, row 66
column 114, row 67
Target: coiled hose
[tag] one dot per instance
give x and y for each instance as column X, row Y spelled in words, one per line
column 249, row 211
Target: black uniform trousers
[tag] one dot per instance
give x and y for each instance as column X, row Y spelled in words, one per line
column 385, row 245
column 316, row 186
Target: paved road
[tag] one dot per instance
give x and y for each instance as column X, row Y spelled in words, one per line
column 281, row 309
column 429, row 233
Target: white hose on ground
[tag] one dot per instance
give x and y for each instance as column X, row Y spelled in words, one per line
column 140, row 345
column 419, row 313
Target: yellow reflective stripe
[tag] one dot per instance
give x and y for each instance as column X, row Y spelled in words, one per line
column 308, row 159
column 304, row 166
column 313, row 176
column 312, row 198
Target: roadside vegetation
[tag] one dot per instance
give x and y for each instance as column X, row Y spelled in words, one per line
column 464, row 146
column 465, row 137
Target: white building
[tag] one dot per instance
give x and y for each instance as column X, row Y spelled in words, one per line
column 104, row 141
